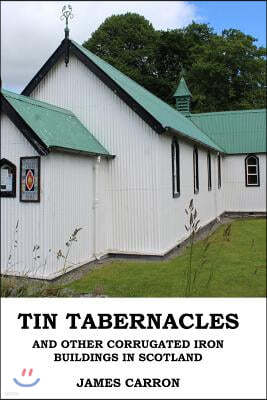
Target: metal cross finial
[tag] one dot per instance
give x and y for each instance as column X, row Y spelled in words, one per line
column 67, row 14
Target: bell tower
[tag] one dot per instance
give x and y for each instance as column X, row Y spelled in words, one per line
column 183, row 97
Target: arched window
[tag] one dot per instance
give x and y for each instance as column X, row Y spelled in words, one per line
column 8, row 178
column 219, row 171
column 195, row 170
column 209, row 171
column 175, row 168
column 252, row 170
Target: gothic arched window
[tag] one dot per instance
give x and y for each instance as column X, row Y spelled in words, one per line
column 175, row 168
column 195, row 170
column 252, row 170
column 209, row 171
column 219, row 171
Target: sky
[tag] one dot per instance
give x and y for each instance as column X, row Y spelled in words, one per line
column 31, row 31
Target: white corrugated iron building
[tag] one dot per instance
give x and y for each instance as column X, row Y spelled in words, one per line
column 84, row 146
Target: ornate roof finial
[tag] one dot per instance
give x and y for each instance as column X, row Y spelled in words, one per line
column 67, row 13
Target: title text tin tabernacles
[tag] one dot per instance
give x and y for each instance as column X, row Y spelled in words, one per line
column 131, row 321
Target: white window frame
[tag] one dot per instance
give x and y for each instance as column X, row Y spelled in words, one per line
column 247, row 173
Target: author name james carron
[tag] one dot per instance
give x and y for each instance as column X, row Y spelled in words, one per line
column 128, row 382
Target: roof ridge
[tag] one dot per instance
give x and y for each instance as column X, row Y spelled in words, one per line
column 227, row 112
column 35, row 102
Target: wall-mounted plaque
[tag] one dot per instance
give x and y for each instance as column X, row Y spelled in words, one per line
column 8, row 179
column 30, row 179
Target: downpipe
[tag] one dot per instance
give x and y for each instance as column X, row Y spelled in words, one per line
column 95, row 206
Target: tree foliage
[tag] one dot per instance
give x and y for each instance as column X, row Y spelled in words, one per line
column 223, row 72
column 128, row 43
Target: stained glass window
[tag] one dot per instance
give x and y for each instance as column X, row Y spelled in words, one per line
column 30, row 179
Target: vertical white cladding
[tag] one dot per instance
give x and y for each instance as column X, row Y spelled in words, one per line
column 130, row 180
column 141, row 216
column 208, row 203
column 238, row 196
column 66, row 203
column 123, row 205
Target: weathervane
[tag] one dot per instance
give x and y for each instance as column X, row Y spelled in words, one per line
column 66, row 13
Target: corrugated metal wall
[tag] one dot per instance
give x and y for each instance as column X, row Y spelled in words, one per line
column 135, row 210
column 131, row 196
column 144, row 216
column 66, row 203
column 237, row 196
column 208, row 203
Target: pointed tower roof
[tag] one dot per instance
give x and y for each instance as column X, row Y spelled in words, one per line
column 182, row 89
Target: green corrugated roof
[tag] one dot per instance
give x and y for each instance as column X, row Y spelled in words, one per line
column 166, row 115
column 55, row 126
column 182, row 89
column 235, row 131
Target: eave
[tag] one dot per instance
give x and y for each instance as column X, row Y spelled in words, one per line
column 80, row 152
column 23, row 127
column 171, row 131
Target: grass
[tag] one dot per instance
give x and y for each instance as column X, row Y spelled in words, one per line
column 235, row 258
column 238, row 264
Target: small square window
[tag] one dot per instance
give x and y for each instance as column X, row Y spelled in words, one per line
column 252, row 169
column 252, row 179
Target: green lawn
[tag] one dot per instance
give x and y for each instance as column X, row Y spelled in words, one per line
column 238, row 265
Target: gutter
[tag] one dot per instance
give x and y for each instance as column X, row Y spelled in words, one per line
column 81, row 152
column 247, row 152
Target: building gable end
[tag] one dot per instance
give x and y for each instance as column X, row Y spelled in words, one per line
column 126, row 97
column 148, row 118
